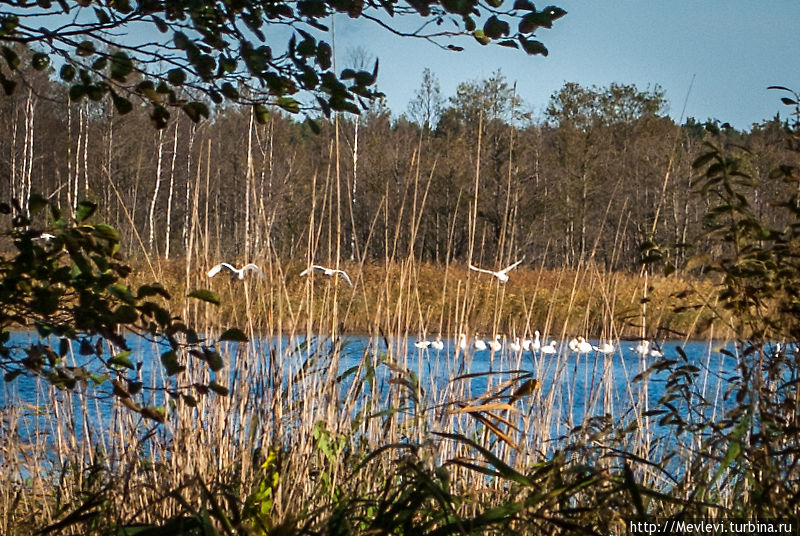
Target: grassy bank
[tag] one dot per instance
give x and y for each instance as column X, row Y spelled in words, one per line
column 418, row 299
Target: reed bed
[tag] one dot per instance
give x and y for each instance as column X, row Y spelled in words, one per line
column 305, row 430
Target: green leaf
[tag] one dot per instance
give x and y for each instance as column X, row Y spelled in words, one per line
column 262, row 113
column 11, row 58
column 233, row 334
column 176, row 77
column 40, row 61
column 36, row 203
column 229, row 91
column 122, row 105
column 532, row 46
column 67, row 73
column 77, row 92
column 85, row 210
column 121, row 66
column 171, row 365
column 8, row 85
column 495, row 28
column 84, row 49
column 204, row 295
column 122, row 359
column 480, row 37
column 195, row 110
column 106, row 232
column 10, row 376
column 219, row 389
column 289, row 104
column 157, row 414
column 313, row 125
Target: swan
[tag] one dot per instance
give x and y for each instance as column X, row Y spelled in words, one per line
column 496, row 345
column 515, row 346
column 422, row 344
column 236, row 273
column 604, row 348
column 583, row 347
column 462, row 341
column 655, row 352
column 437, row 344
column 536, row 345
column 479, row 344
column 328, row 272
column 549, row 348
column 573, row 344
column 643, row 348
column 501, row 275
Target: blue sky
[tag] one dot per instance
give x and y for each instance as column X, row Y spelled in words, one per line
column 733, row 49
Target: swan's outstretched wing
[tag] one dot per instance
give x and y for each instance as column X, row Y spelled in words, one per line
column 509, row 268
column 313, row 267
column 253, row 268
column 344, row 275
column 218, row 268
column 481, row 270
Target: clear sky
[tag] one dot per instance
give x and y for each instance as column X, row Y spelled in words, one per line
column 733, row 49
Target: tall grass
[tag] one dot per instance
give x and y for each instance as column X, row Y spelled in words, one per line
column 312, row 439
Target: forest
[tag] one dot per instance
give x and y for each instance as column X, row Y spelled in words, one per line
column 590, row 177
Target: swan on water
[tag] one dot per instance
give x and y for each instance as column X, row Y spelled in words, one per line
column 583, row 347
column 549, row 348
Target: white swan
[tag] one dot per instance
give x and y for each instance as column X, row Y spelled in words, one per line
column 573, row 344
column 501, row 275
column 549, row 348
column 515, row 346
column 479, row 344
column 422, row 344
column 495, row 345
column 437, row 344
column 328, row 272
column 462, row 341
column 604, row 348
column 536, row 345
column 584, row 347
column 643, row 348
column 236, row 273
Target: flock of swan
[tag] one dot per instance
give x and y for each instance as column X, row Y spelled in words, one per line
column 578, row 345
column 239, row 273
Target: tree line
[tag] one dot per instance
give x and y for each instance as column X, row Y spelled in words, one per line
column 474, row 176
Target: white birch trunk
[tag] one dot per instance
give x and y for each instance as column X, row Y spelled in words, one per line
column 248, row 180
column 155, row 192
column 171, row 188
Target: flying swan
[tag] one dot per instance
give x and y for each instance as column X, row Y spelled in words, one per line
column 236, row 273
column 501, row 275
column 328, row 272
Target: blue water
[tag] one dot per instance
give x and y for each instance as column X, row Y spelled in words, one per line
column 575, row 386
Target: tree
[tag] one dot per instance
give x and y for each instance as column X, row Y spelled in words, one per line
column 591, row 129
column 226, row 50
column 70, row 285
column 426, row 106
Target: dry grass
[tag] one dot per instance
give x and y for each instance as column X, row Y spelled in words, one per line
column 287, row 396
